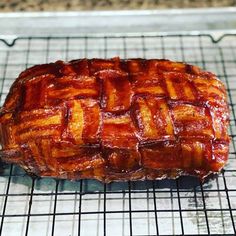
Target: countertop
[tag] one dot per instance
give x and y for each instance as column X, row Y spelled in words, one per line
column 74, row 5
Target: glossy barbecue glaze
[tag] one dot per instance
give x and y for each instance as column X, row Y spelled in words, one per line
column 116, row 120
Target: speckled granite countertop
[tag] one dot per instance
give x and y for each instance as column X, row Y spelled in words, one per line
column 74, row 5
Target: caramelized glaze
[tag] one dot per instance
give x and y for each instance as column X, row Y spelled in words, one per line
column 114, row 120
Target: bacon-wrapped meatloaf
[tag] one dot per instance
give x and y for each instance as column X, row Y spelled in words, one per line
column 113, row 120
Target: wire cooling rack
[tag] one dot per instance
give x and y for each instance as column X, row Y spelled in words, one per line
column 169, row 207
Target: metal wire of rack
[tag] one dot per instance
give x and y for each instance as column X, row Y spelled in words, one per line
column 185, row 206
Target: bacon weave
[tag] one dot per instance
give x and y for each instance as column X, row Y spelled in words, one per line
column 113, row 120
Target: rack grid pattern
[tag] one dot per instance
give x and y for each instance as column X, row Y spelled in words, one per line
column 34, row 206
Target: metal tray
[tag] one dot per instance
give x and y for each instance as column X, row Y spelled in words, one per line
column 111, row 22
column 168, row 207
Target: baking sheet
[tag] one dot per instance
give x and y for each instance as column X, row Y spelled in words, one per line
column 126, row 21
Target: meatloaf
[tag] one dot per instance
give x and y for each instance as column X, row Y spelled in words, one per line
column 116, row 120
